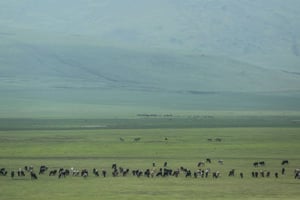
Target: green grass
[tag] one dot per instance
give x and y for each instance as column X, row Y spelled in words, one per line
column 239, row 148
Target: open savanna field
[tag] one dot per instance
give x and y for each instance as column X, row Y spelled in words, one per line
column 94, row 144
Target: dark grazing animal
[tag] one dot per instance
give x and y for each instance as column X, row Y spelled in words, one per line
column 43, row 169
column 201, row 163
column 283, row 171
column 115, row 173
column 231, row 172
column 12, row 174
column 176, row 173
column 160, row 172
column 3, row 172
column 297, row 173
column 241, row 175
column 114, row 166
column 216, row 174
column 262, row 163
column 84, row 173
column 33, row 176
column 53, row 172
column 103, row 173
column 284, row 162
column 21, row 172
column 147, row 173
column 254, row 174
column 165, row 164
column 95, row 172
column 188, row 174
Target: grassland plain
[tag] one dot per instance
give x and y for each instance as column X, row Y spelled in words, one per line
column 100, row 148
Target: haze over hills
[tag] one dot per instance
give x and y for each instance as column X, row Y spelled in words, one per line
column 89, row 56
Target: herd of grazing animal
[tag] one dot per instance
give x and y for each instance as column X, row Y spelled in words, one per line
column 202, row 171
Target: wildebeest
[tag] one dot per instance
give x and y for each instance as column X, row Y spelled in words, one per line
column 115, row 173
column 221, row 162
column 167, row 172
column 12, row 174
column 53, row 172
column 62, row 173
column 254, row 174
column 297, row 173
column 137, row 139
column 114, row 166
column 20, row 172
column 75, row 172
column 206, row 172
column 199, row 172
column 33, row 175
column 104, row 173
column 255, row 164
column 283, row 171
column 43, row 169
column 3, row 172
column 188, row 173
column 160, row 172
column 28, row 169
column 261, row 163
column 137, row 172
column 216, row 174
column 125, row 172
column 284, row 162
column 165, row 164
column 208, row 160
column 276, row 174
column 147, row 173
column 231, row 172
column 241, row 175
column 122, row 139
column 201, row 163
column 84, row 173
column 176, row 173
column 95, row 172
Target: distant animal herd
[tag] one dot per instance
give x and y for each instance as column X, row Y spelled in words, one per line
column 202, row 171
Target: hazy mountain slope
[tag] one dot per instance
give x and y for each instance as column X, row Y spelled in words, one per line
column 94, row 67
column 75, row 58
column 260, row 32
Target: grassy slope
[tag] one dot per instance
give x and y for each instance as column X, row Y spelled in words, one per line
column 89, row 81
column 261, row 32
column 185, row 147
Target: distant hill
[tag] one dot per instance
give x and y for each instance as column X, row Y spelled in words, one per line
column 91, row 67
column 266, row 33
column 90, row 58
